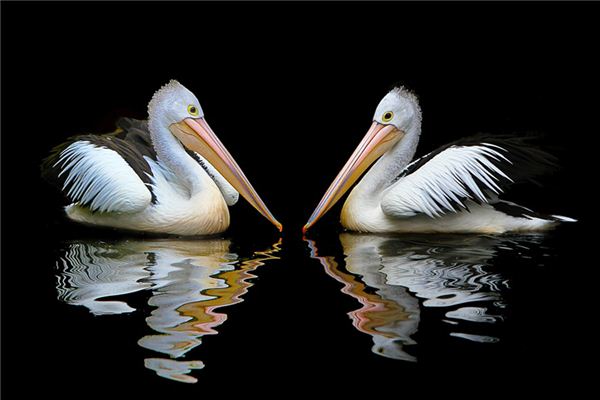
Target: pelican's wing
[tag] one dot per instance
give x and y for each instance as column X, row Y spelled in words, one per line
column 477, row 168
column 107, row 173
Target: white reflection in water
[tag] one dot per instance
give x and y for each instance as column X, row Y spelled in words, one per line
column 187, row 282
column 389, row 274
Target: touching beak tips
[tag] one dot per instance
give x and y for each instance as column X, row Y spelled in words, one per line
column 197, row 135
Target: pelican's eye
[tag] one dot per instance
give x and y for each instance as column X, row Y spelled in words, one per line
column 387, row 116
column 193, row 110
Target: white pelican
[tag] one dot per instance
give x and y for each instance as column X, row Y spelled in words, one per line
column 170, row 174
column 452, row 189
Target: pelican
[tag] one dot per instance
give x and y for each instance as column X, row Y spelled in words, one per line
column 452, row 189
column 169, row 174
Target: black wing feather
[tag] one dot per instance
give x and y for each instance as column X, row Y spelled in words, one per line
column 522, row 162
column 131, row 141
column 525, row 161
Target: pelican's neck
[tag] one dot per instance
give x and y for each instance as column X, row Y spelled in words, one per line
column 171, row 153
column 389, row 166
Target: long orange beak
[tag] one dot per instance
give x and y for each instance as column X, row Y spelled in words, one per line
column 379, row 139
column 196, row 135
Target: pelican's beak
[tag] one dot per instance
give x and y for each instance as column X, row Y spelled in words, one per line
column 379, row 139
column 196, row 135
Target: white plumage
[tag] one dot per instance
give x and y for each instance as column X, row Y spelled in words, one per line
column 101, row 178
column 229, row 193
column 448, row 177
column 177, row 210
column 453, row 189
column 156, row 176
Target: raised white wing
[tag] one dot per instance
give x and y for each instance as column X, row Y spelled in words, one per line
column 441, row 183
column 100, row 178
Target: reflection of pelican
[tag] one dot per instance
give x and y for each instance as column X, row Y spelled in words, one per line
column 452, row 189
column 388, row 275
column 170, row 174
column 189, row 281
column 390, row 315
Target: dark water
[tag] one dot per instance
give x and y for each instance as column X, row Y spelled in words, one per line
column 195, row 310
column 393, row 278
column 185, row 282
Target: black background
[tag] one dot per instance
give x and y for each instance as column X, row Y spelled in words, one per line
column 290, row 89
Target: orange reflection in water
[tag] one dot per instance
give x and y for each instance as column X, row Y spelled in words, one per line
column 394, row 277
column 189, row 281
column 375, row 311
column 376, row 314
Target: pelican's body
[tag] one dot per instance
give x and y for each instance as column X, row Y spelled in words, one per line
column 453, row 189
column 359, row 217
column 203, row 213
column 167, row 203
column 151, row 176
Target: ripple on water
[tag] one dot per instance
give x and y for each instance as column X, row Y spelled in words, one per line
column 187, row 282
column 396, row 278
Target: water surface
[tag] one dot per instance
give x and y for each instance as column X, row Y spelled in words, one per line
column 394, row 278
column 186, row 283
column 378, row 304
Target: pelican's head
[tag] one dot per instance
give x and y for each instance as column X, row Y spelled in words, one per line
column 173, row 103
column 395, row 117
column 177, row 109
column 399, row 108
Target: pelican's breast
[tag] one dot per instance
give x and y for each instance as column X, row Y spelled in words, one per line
column 363, row 213
column 202, row 212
